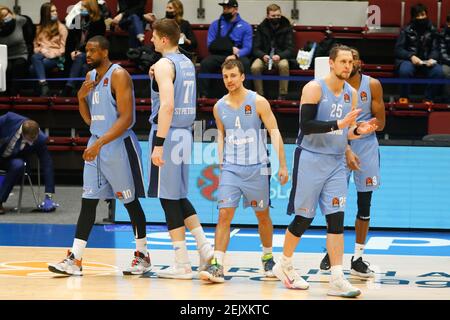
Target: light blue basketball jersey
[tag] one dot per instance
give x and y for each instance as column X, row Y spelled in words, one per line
column 365, row 102
column 329, row 108
column 185, row 93
column 103, row 105
column 245, row 140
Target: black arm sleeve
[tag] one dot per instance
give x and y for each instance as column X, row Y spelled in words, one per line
column 309, row 125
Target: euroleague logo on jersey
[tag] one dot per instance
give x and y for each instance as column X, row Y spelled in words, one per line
column 248, row 110
column 363, row 96
column 208, row 182
column 105, row 82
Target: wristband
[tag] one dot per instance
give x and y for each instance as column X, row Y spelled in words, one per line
column 159, row 142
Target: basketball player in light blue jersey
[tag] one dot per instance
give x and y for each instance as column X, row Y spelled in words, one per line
column 328, row 112
column 173, row 94
column 363, row 159
column 112, row 160
column 245, row 167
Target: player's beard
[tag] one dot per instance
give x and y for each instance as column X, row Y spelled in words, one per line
column 94, row 64
column 340, row 77
column 355, row 70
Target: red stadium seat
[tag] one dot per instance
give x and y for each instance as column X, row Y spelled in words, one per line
column 302, row 37
column 439, row 123
column 30, row 103
column 202, row 47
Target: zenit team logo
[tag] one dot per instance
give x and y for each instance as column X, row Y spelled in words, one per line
column 248, row 110
column 364, row 96
column 105, row 82
column 346, row 98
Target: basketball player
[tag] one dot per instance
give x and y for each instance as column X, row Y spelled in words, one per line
column 112, row 166
column 173, row 93
column 364, row 161
column 245, row 164
column 327, row 121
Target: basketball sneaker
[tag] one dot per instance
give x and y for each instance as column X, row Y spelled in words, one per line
column 268, row 263
column 206, row 253
column 69, row 266
column 177, row 271
column 361, row 268
column 339, row 286
column 325, row 263
column 141, row 264
column 213, row 272
column 289, row 277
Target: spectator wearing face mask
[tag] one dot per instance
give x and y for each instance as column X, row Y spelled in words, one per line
column 91, row 24
column 174, row 10
column 49, row 46
column 417, row 53
column 273, row 45
column 12, row 35
column 229, row 37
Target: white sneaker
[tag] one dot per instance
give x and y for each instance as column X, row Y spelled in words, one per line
column 290, row 278
column 69, row 266
column 339, row 286
column 177, row 271
column 206, row 253
column 139, row 265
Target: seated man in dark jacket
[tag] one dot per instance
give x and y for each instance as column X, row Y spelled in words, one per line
column 445, row 55
column 417, row 51
column 229, row 37
column 19, row 138
column 131, row 17
column 273, row 45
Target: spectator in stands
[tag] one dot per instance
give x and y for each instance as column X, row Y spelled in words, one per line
column 49, row 46
column 92, row 24
column 273, row 45
column 417, row 52
column 13, row 31
column 19, row 139
column 229, row 37
column 174, row 10
column 130, row 17
column 445, row 55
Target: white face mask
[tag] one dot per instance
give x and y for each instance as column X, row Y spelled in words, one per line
column 54, row 18
column 7, row 19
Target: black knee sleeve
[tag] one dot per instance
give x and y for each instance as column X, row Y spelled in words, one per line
column 187, row 208
column 364, row 200
column 335, row 222
column 86, row 219
column 137, row 218
column 173, row 212
column 299, row 225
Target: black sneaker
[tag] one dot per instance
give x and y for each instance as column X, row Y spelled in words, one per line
column 361, row 268
column 325, row 263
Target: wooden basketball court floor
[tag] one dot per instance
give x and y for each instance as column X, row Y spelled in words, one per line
column 24, row 275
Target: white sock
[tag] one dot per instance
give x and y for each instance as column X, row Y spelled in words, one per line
column 181, row 254
column 199, row 236
column 78, row 248
column 141, row 245
column 267, row 250
column 336, row 271
column 286, row 260
column 219, row 255
column 359, row 250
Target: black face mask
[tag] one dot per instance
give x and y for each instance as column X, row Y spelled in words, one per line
column 170, row 15
column 275, row 22
column 7, row 28
column 420, row 25
column 227, row 16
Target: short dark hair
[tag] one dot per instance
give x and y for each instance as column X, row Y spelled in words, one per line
column 101, row 40
column 230, row 64
column 167, row 28
column 418, row 8
column 336, row 48
column 30, row 129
